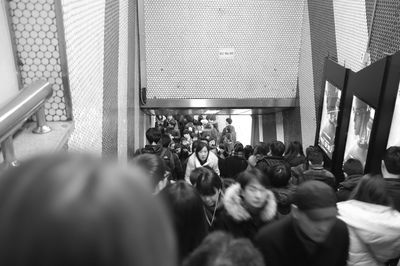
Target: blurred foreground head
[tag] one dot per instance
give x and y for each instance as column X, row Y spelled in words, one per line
column 75, row 210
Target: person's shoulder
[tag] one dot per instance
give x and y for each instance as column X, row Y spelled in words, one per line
column 275, row 230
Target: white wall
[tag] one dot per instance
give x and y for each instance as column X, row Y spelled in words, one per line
column 8, row 74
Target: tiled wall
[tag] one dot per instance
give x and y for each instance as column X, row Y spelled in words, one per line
column 36, row 37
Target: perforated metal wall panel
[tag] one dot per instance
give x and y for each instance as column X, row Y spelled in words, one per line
column 123, row 80
column 184, row 38
column 385, row 37
column 35, row 30
column 110, row 78
column 323, row 43
column 306, row 85
column 351, row 32
column 84, row 34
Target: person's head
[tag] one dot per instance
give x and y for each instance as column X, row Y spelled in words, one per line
column 315, row 157
column 277, row 148
column 254, row 185
column 153, row 165
column 222, row 249
column 165, row 140
column 75, row 210
column 202, row 151
column 238, row 149
column 371, row 189
column 353, row 167
column 186, row 208
column 228, row 121
column 153, row 135
column 208, row 184
column 314, row 209
column 279, row 174
column 248, row 150
column 261, row 148
column 391, row 162
column 295, row 148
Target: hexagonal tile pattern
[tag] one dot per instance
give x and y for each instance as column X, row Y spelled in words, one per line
column 183, row 39
column 35, row 28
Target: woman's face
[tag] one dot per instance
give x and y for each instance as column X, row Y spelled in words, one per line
column 202, row 154
column 211, row 200
column 255, row 194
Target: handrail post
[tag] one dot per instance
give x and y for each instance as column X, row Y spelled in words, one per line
column 41, row 128
column 7, row 148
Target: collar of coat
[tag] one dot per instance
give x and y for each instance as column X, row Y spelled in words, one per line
column 234, row 205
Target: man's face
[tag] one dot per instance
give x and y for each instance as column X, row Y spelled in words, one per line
column 317, row 223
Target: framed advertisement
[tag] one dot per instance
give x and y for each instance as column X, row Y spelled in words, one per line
column 394, row 135
column 329, row 118
column 359, row 131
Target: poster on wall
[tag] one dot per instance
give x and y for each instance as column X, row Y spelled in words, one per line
column 329, row 118
column 394, row 135
column 359, row 132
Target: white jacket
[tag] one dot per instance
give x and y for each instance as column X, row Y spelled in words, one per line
column 374, row 232
column 193, row 163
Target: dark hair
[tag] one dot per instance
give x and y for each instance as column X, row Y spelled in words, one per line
column 205, row 180
column 392, row 160
column 261, row 148
column 153, row 135
column 72, row 209
column 277, row 148
column 153, row 165
column 165, row 140
column 371, row 189
column 315, row 157
column 194, row 145
column 353, row 167
column 245, row 177
column 222, row 249
column 279, row 174
column 186, row 207
column 200, row 146
column 248, row 150
column 229, row 120
column 295, row 148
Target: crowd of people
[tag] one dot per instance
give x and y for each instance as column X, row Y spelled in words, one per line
column 200, row 199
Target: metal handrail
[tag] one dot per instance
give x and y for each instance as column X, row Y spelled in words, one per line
column 29, row 101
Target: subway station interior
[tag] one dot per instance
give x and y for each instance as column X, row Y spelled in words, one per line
column 114, row 65
column 96, row 76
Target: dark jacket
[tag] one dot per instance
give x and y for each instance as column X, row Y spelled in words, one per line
column 320, row 174
column 284, row 198
column 282, row 244
column 172, row 160
column 346, row 187
column 238, row 221
column 232, row 166
column 295, row 161
column 393, row 189
column 265, row 163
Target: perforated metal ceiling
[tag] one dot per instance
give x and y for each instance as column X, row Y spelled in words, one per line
column 183, row 40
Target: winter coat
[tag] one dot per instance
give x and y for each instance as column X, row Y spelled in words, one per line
column 232, row 166
column 374, row 232
column 193, row 163
column 295, row 161
column 320, row 174
column 393, row 189
column 346, row 187
column 282, row 244
column 284, row 198
column 238, row 221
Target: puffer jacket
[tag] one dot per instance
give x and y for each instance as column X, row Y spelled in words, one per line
column 374, row 232
column 238, row 221
column 193, row 163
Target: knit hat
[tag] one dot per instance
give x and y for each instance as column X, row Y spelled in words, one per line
column 313, row 194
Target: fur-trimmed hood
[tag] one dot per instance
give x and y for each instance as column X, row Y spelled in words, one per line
column 234, row 205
